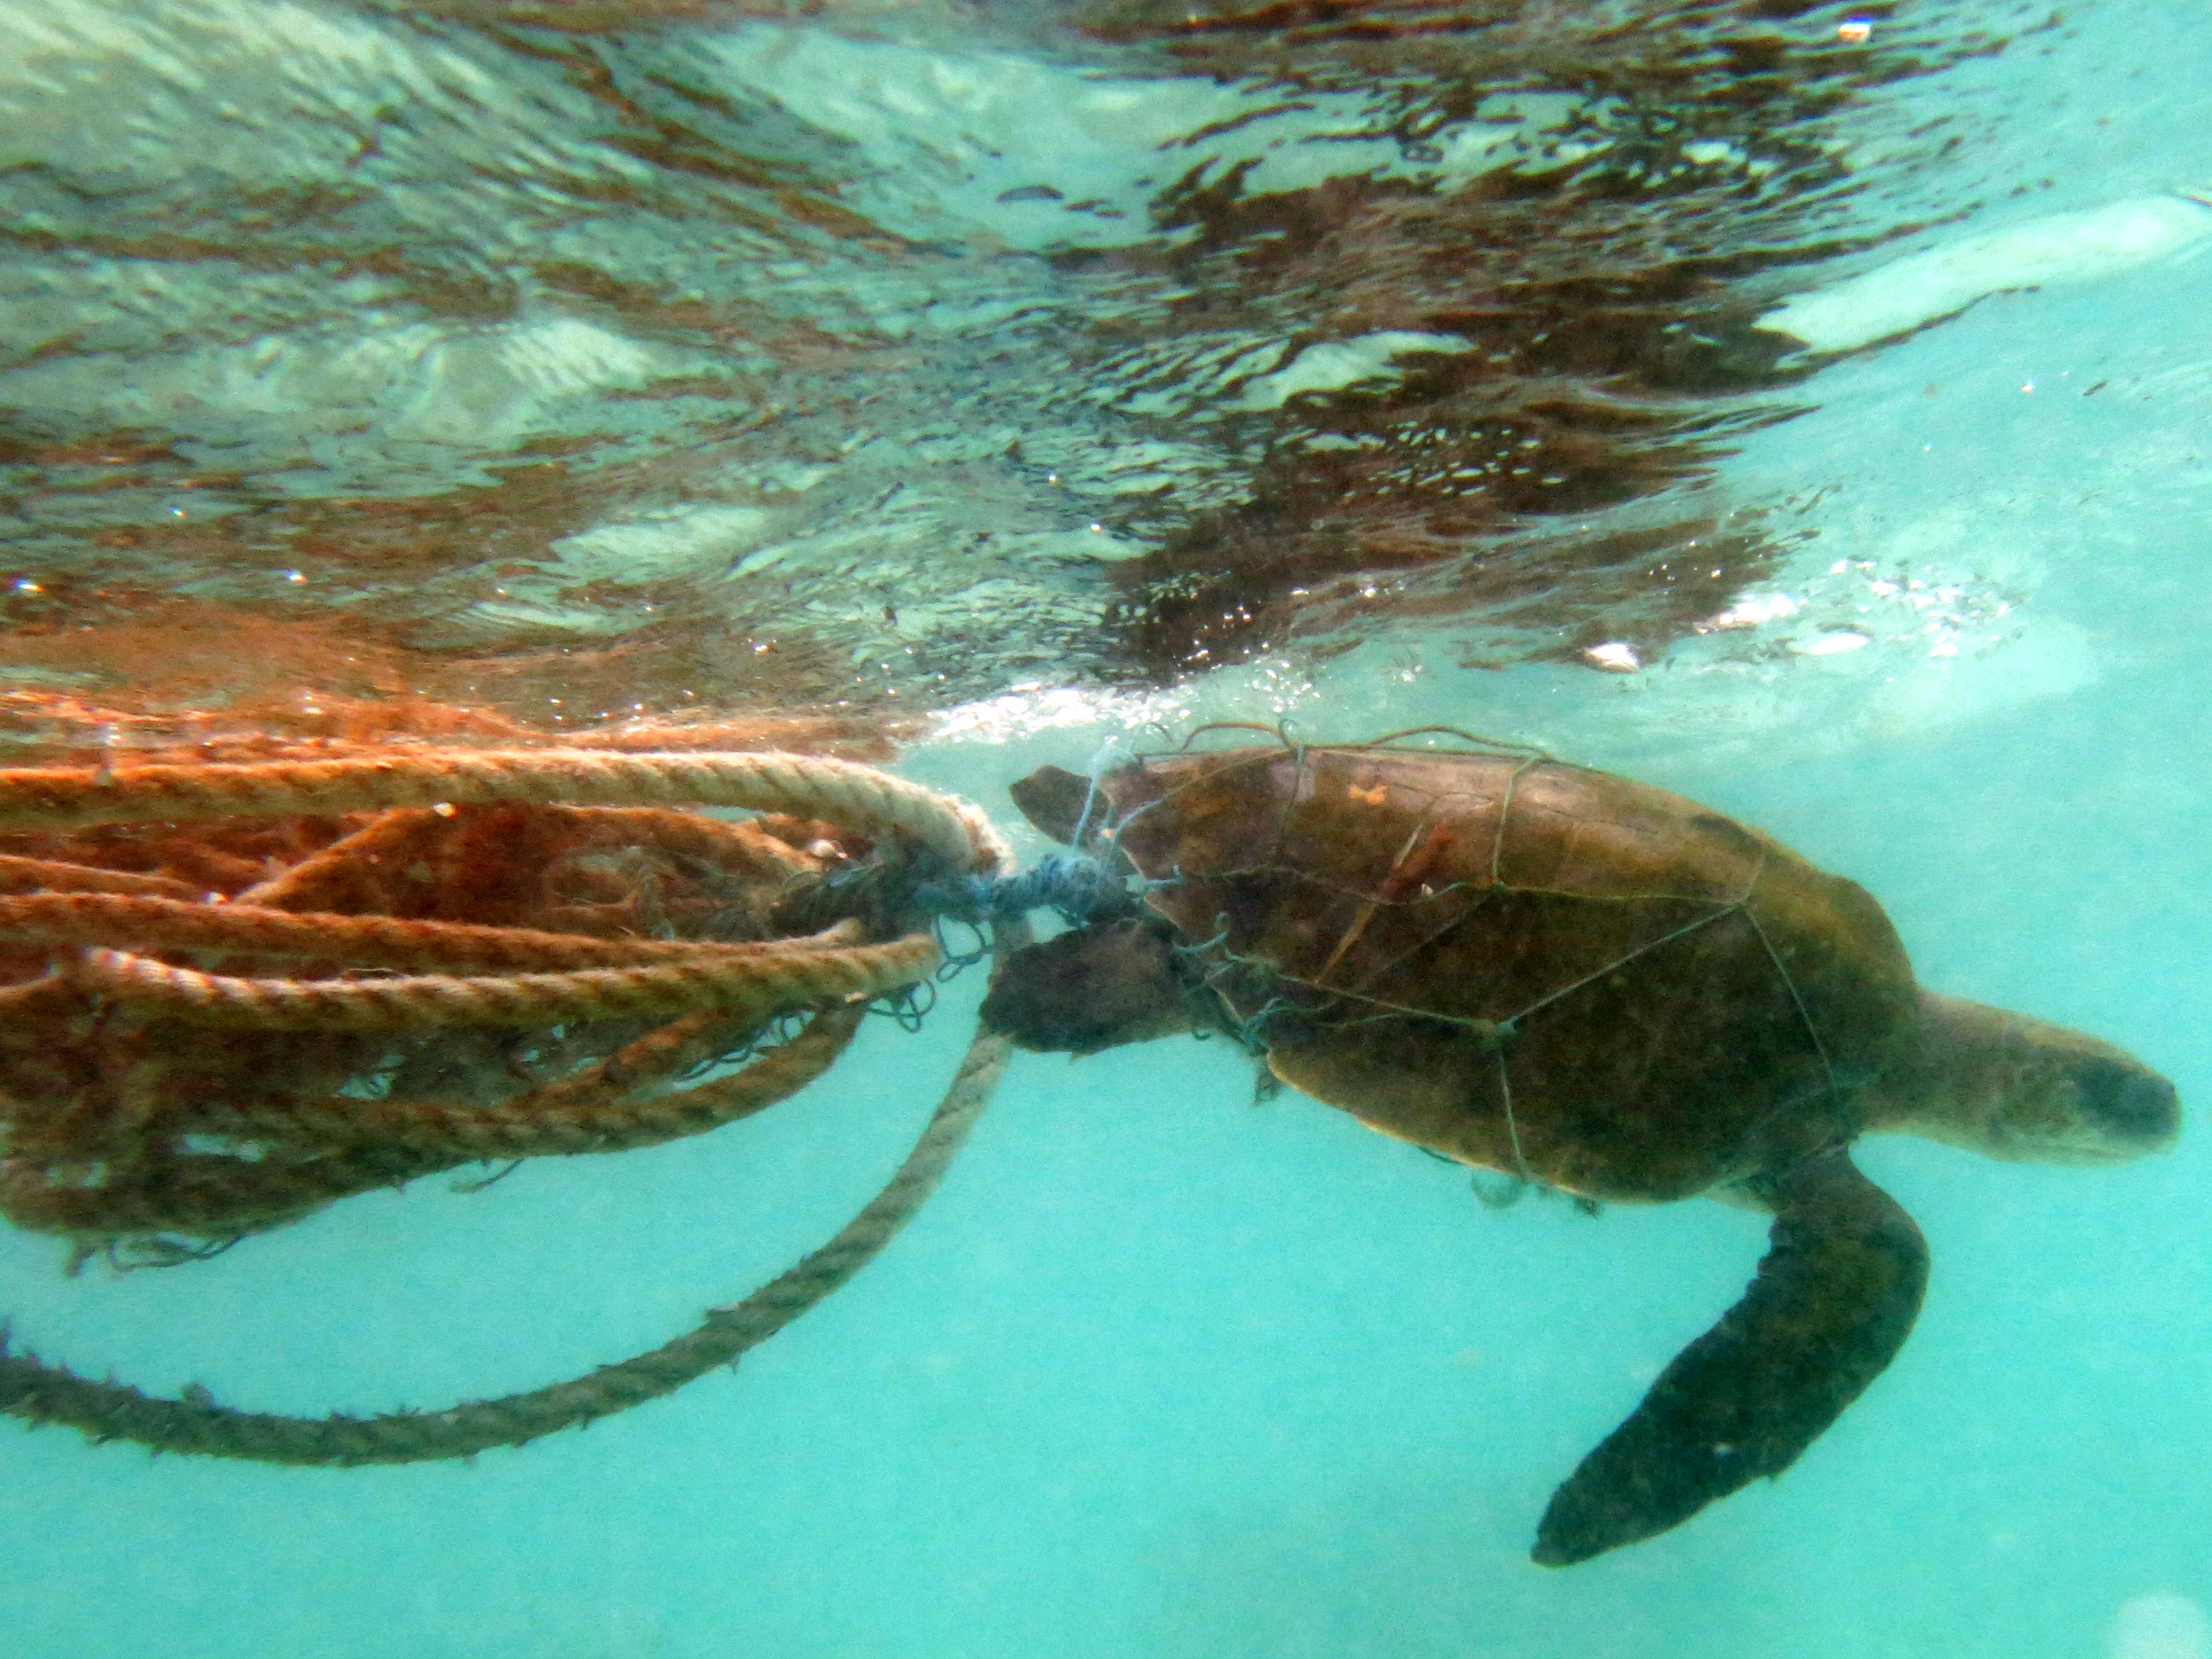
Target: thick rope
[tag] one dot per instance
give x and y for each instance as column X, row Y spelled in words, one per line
column 780, row 974
column 204, row 1194
column 590, row 1112
column 857, row 797
column 135, row 923
column 145, row 1052
column 214, row 1196
column 41, row 1392
column 720, row 842
column 321, row 880
column 21, row 875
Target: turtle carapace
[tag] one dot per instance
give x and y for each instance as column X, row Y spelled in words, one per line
column 1602, row 987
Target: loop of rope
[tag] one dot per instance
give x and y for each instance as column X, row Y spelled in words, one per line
column 144, row 922
column 381, row 1144
column 761, row 977
column 589, row 1112
column 146, row 1097
column 341, row 1074
column 858, row 797
column 39, row 1391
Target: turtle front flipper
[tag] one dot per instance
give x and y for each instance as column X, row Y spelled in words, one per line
column 1097, row 988
column 1831, row 1306
column 1058, row 802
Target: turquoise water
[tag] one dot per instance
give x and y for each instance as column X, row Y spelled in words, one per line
column 564, row 361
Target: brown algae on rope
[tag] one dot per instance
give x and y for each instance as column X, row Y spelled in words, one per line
column 232, row 993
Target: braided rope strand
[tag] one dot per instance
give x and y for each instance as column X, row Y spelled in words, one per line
column 145, row 923
column 764, row 977
column 812, row 785
column 22, row 875
column 207, row 1194
column 588, row 1113
column 40, row 1392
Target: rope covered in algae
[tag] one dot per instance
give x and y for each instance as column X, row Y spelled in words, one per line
column 766, row 976
column 311, row 883
column 195, row 1424
column 135, row 922
column 586, row 1113
column 858, row 797
column 387, row 1143
column 205, row 1192
column 100, row 1136
column 22, row 875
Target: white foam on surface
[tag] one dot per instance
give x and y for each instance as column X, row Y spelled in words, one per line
column 2067, row 247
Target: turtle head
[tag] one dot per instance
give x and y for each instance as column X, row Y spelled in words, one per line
column 2027, row 1090
column 1094, row 987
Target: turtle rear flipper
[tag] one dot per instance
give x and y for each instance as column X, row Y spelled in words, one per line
column 1834, row 1301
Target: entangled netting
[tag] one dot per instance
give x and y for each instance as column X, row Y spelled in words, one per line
column 232, row 994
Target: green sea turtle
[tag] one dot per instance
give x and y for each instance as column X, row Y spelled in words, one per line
column 1565, row 976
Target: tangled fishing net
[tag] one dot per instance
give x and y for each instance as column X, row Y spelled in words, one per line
column 234, row 992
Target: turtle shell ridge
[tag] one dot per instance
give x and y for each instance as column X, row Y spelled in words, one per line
column 1523, row 964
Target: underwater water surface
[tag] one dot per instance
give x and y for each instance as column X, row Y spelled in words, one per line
column 1011, row 383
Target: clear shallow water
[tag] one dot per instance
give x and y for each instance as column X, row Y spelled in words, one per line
column 1159, row 1372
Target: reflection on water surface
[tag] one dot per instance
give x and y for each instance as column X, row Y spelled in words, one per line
column 580, row 360
column 825, row 376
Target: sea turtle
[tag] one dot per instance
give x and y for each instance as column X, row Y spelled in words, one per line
column 1565, row 976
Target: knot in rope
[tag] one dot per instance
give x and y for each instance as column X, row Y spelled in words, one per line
column 1080, row 887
